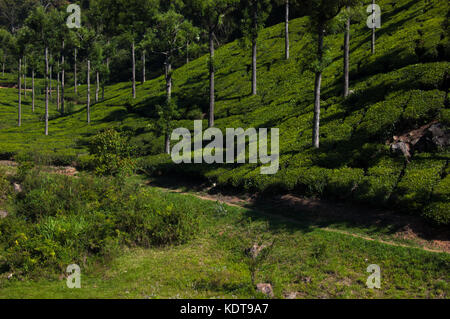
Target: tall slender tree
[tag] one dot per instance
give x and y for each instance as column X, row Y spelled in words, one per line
column 167, row 38
column 129, row 19
column 46, row 90
column 351, row 13
column 75, row 71
column 374, row 28
column 19, row 49
column 20, row 93
column 24, row 75
column 209, row 14
column 322, row 13
column 34, row 60
column 143, row 66
column 288, row 4
column 347, row 53
column 286, row 30
column 255, row 13
column 88, row 81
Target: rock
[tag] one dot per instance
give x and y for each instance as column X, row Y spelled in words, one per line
column 427, row 138
column 255, row 250
column 265, row 289
column 401, row 147
column 437, row 130
column 436, row 136
column 440, row 135
column 291, row 295
column 307, row 280
column 17, row 188
column 3, row 214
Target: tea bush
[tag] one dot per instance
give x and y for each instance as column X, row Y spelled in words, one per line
column 421, row 176
column 439, row 209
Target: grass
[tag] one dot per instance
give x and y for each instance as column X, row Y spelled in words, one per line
column 313, row 262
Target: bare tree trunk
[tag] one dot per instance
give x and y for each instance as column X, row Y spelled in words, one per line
column 212, row 96
column 187, row 52
column 46, row 91
column 373, row 28
column 97, row 90
column 19, row 80
column 57, row 90
column 168, row 75
column 106, row 80
column 32, row 91
column 107, row 58
column 287, row 30
column 143, row 67
column 347, row 56
column 88, row 92
column 254, row 48
column 75, row 71
column 134, row 69
column 63, row 80
column 51, row 71
column 25, row 76
column 317, row 87
column 167, row 143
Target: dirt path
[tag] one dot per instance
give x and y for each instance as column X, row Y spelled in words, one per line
column 15, row 87
column 62, row 170
column 322, row 210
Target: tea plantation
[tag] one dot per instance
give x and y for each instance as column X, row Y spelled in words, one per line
column 400, row 88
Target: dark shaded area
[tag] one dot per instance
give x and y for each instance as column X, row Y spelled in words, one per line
column 298, row 213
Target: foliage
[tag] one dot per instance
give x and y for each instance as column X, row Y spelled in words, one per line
column 112, row 153
column 61, row 220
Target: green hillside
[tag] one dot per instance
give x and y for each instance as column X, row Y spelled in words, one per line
column 400, row 88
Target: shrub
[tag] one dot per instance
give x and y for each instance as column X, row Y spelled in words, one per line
column 343, row 182
column 445, row 117
column 438, row 212
column 439, row 209
column 312, row 180
column 414, row 189
column 423, row 107
column 377, row 186
column 112, row 153
column 62, row 220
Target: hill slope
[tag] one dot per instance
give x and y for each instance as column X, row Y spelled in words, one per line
column 402, row 87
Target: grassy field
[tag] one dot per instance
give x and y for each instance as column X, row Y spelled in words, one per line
column 309, row 261
column 118, row 234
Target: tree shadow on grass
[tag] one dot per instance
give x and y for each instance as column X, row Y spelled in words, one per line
column 292, row 213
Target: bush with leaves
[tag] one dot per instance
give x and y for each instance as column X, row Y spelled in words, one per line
column 59, row 220
column 112, row 153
